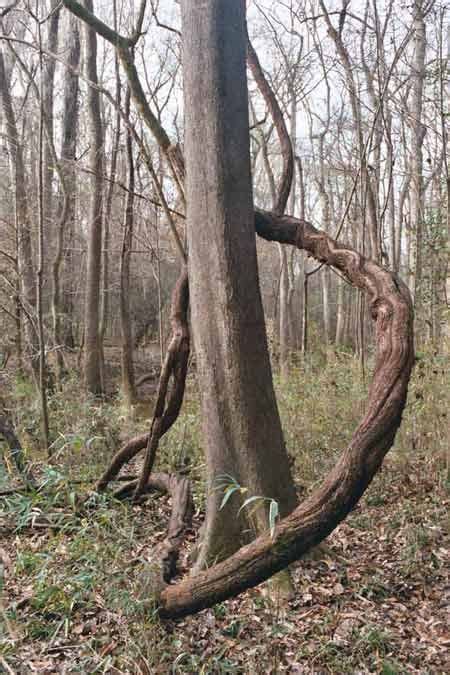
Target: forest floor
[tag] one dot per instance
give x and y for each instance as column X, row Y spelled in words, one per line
column 375, row 601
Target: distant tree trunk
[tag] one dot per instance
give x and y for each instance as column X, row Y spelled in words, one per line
column 302, row 309
column 128, row 388
column 323, row 187
column 281, row 197
column 355, row 104
column 444, row 92
column 105, row 291
column 62, row 303
column 43, row 378
column 24, row 244
column 286, row 278
column 93, row 351
column 394, row 260
column 48, row 99
column 325, row 281
column 284, row 312
column 18, row 323
column 418, row 131
column 340, row 315
column 242, row 431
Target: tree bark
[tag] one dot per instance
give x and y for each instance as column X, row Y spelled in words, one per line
column 62, row 304
column 418, row 131
column 48, row 101
column 242, row 431
column 128, row 388
column 93, row 351
column 24, row 241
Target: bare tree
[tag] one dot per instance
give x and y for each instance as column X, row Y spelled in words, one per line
column 128, row 387
column 62, row 302
column 22, row 220
column 92, row 345
column 418, row 131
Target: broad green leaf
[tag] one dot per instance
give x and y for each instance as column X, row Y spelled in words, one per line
column 228, row 492
column 250, row 500
column 273, row 515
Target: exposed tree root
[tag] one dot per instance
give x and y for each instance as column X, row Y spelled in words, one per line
column 179, row 487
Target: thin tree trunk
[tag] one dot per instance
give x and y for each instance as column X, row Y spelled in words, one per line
column 62, row 304
column 93, row 350
column 105, row 291
column 43, row 379
column 24, row 248
column 283, row 312
column 340, row 314
column 418, row 134
column 325, row 282
column 367, row 187
column 48, row 96
column 128, row 388
column 302, row 301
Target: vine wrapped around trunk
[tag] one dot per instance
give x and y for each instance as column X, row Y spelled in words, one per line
column 315, row 518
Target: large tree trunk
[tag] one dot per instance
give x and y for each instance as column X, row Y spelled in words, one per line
column 93, row 351
column 242, row 432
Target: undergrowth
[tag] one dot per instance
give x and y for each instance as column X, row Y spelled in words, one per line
column 75, row 594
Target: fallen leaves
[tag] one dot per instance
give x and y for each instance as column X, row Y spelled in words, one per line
column 375, row 601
